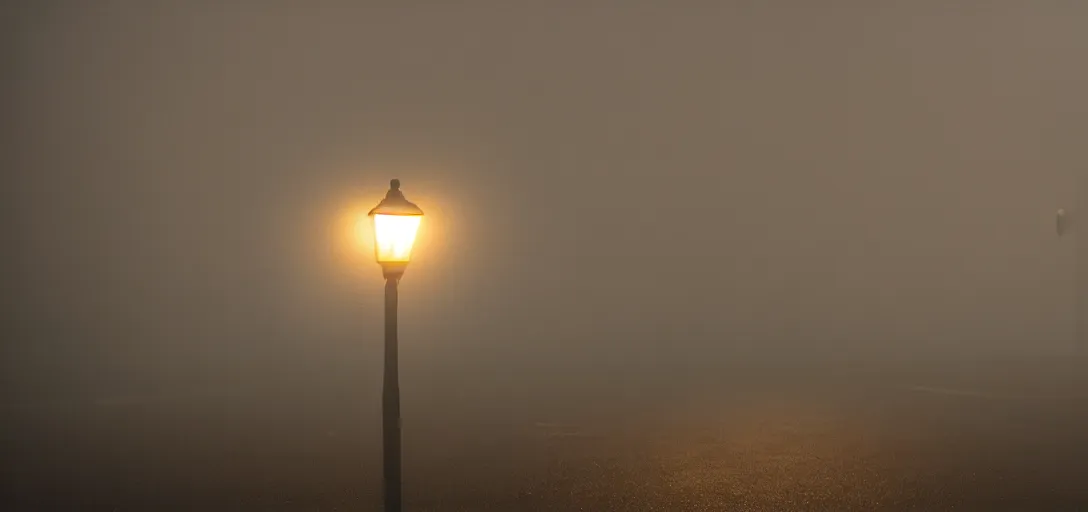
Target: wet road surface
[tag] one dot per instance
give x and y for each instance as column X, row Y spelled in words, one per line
column 771, row 440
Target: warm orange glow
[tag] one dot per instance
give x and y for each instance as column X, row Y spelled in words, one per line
column 394, row 236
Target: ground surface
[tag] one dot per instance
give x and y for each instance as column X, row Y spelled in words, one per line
column 986, row 438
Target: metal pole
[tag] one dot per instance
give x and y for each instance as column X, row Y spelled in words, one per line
column 391, row 402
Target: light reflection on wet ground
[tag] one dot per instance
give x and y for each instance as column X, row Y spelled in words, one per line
column 853, row 442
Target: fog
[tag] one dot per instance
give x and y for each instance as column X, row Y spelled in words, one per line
column 619, row 195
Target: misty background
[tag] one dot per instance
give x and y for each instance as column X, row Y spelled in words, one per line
column 615, row 190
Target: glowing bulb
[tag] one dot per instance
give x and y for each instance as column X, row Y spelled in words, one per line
column 394, row 236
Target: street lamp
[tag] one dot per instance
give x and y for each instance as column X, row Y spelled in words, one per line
column 396, row 222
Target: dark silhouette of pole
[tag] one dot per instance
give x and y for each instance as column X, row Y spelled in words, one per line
column 391, row 401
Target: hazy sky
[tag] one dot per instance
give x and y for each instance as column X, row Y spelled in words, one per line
column 607, row 182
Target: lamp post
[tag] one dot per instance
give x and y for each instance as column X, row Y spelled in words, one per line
column 396, row 222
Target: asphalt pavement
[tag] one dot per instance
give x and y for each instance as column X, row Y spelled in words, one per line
column 1009, row 436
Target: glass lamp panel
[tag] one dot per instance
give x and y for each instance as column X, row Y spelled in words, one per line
column 394, row 236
